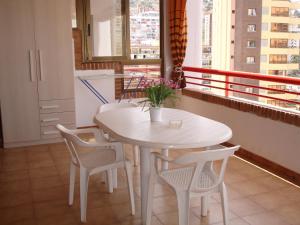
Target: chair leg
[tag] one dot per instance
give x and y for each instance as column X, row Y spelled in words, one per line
column 84, row 180
column 135, row 155
column 119, row 156
column 72, row 183
column 152, row 181
column 204, row 205
column 130, row 186
column 103, row 177
column 109, row 180
column 183, row 202
column 224, row 201
column 165, row 165
column 115, row 178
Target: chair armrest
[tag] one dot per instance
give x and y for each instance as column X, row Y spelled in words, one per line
column 86, row 131
column 95, row 131
column 102, row 144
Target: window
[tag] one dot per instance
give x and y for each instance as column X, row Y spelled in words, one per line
column 277, row 103
column 279, row 87
column 278, row 43
column 280, row 11
column 295, row 13
column 106, row 30
column 278, row 59
column 251, row 12
column 280, row 27
column 251, row 44
column 294, row 28
column 250, row 60
column 277, row 72
column 292, row 43
column 294, row 59
column 251, row 28
column 144, row 29
column 122, row 30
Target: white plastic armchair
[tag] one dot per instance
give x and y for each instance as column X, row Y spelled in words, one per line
column 196, row 177
column 115, row 105
column 105, row 157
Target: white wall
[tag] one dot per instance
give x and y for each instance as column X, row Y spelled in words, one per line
column 273, row 140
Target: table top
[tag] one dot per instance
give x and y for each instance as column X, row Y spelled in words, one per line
column 133, row 126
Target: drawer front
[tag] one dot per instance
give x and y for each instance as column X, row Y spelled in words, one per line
column 66, row 105
column 52, row 132
column 49, row 119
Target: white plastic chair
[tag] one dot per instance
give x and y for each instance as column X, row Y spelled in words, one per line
column 115, row 105
column 105, row 157
column 196, row 178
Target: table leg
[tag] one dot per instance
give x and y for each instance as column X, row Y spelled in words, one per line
column 165, row 152
column 145, row 175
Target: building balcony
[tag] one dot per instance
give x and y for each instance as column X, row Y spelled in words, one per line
column 34, row 179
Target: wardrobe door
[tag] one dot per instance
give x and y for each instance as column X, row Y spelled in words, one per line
column 18, row 81
column 53, row 29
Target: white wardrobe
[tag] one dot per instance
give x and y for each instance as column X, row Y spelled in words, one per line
column 36, row 70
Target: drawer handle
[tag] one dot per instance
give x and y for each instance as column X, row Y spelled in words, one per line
column 51, row 132
column 50, row 120
column 49, row 106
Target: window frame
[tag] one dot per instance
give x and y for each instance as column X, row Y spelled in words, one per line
column 125, row 59
column 280, row 11
column 250, row 10
column 250, row 63
column 249, row 41
column 278, row 59
column 279, row 42
column 249, row 30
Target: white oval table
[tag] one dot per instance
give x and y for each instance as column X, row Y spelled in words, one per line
column 133, row 126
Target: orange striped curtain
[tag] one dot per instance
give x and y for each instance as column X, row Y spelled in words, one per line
column 178, row 38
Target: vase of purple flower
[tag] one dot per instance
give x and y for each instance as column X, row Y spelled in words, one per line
column 157, row 91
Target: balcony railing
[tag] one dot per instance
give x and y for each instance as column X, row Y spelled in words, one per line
column 229, row 84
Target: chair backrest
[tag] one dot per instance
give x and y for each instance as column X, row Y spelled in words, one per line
column 203, row 161
column 115, row 105
column 71, row 141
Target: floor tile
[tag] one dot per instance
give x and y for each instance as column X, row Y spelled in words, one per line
column 55, row 193
column 101, row 216
column 265, row 218
column 249, row 187
column 271, row 200
column 51, row 208
column 172, row 218
column 43, row 172
column 14, row 199
column 272, row 182
column 15, row 214
column 14, row 176
column 15, row 186
column 291, row 213
column 236, row 221
column 244, row 207
column 164, row 204
column 215, row 214
column 66, row 219
column 46, row 182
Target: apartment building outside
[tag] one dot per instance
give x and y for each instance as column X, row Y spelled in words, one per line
column 266, row 41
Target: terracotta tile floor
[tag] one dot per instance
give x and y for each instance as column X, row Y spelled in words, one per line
column 34, row 191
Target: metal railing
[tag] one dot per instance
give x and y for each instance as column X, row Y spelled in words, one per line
column 229, row 84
